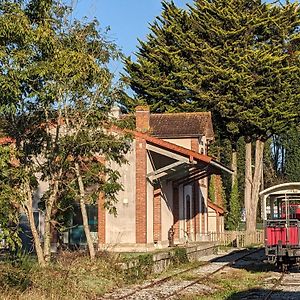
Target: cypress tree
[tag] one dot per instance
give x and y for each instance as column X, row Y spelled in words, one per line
column 234, row 214
column 237, row 58
column 291, row 143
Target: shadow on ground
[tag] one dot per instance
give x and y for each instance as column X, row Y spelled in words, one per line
column 258, row 293
column 261, row 265
column 253, row 263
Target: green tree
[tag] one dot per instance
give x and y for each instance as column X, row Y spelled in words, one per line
column 56, row 94
column 281, row 160
column 238, row 59
column 291, row 149
column 234, row 214
column 9, row 197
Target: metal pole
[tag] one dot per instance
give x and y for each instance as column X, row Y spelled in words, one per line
column 287, row 212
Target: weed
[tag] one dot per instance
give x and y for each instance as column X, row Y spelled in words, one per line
column 180, row 256
column 70, row 276
column 139, row 269
column 16, row 273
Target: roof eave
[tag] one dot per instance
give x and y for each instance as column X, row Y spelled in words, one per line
column 219, row 165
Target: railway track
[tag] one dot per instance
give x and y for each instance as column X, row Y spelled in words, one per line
column 274, row 287
column 156, row 282
column 203, row 272
column 285, row 287
column 210, row 274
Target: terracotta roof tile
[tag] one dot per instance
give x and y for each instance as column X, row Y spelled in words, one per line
column 181, row 124
column 6, row 140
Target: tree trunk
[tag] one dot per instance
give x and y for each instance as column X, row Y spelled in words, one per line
column 252, row 184
column 256, row 182
column 84, row 213
column 48, row 216
column 30, row 216
column 248, row 185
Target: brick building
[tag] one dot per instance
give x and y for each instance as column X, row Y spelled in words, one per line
column 165, row 184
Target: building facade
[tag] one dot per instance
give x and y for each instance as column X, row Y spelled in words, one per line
column 165, row 195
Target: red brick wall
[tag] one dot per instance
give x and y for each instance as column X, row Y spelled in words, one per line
column 101, row 220
column 142, row 116
column 141, row 191
column 157, row 215
column 195, row 147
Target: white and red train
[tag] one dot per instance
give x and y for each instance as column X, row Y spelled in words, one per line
column 281, row 216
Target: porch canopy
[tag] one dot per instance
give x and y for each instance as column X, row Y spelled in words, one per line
column 175, row 163
column 285, row 191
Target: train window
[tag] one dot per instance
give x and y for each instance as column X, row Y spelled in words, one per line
column 281, row 208
column 292, row 211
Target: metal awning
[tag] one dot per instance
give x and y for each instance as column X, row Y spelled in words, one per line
column 178, row 164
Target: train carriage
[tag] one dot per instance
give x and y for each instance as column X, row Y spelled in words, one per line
column 281, row 216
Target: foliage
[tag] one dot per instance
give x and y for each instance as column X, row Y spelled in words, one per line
column 226, row 56
column 139, row 268
column 281, row 160
column 237, row 284
column 234, row 214
column 16, row 273
column 211, row 189
column 9, row 198
column 180, row 256
column 291, row 148
column 271, row 171
column 56, row 95
column 76, row 277
column 239, row 59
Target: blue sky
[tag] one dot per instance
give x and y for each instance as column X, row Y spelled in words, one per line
column 128, row 19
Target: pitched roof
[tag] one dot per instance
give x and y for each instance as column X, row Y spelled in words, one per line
column 181, row 124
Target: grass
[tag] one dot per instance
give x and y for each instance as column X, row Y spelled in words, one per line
column 71, row 276
column 74, row 276
column 226, row 285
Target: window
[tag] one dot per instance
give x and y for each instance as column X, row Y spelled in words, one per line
column 188, row 207
column 77, row 235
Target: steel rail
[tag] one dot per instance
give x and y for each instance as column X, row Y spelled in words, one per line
column 198, row 280
column 273, row 289
column 158, row 282
column 167, row 278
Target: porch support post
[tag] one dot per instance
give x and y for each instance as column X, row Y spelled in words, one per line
column 176, row 212
column 196, row 194
column 218, row 222
column 203, row 208
column 197, row 209
column 157, row 215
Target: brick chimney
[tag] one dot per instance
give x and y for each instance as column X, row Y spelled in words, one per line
column 142, row 118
